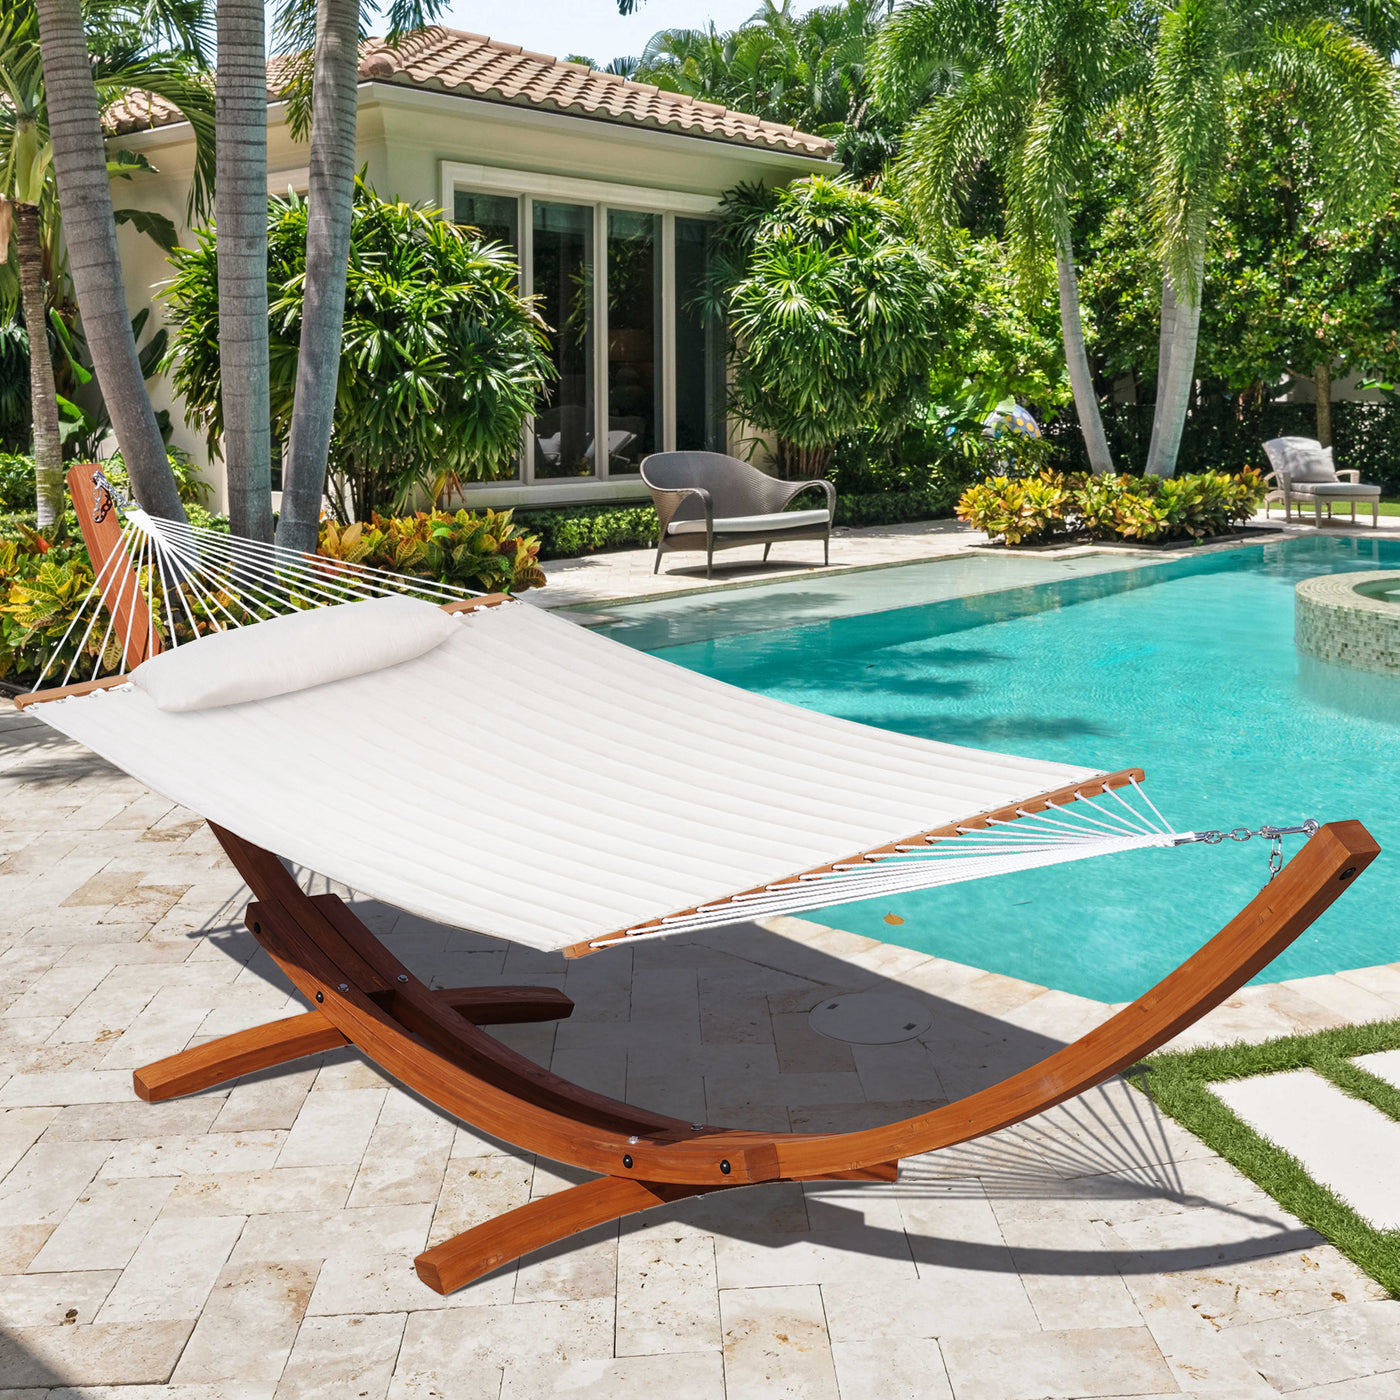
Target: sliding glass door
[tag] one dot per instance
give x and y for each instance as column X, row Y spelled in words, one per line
column 562, row 279
column 639, row 367
column 634, row 338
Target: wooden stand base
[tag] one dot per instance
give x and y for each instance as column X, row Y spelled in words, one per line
column 432, row 1042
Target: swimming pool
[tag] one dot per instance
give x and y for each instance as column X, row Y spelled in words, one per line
column 1186, row 668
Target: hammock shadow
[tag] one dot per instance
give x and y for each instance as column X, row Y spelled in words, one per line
column 33, row 754
column 715, row 1026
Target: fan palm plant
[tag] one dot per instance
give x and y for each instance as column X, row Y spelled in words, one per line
column 1019, row 85
column 1339, row 84
column 95, row 52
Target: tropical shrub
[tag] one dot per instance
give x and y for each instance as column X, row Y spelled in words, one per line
column 831, row 311
column 441, row 357
column 484, row 551
column 45, row 579
column 1019, row 509
column 16, row 483
column 1033, row 510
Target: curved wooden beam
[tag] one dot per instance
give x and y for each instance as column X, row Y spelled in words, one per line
column 379, row 1006
column 364, row 996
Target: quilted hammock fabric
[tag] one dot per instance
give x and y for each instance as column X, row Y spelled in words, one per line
column 531, row 780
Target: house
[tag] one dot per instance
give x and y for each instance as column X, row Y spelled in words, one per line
column 605, row 188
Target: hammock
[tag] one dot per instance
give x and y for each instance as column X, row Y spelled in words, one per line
column 527, row 778
column 587, row 742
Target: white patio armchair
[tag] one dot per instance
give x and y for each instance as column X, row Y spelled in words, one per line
column 1303, row 471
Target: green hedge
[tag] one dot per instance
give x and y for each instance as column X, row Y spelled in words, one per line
column 574, row 530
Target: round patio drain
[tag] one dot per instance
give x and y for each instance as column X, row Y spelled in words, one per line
column 870, row 1018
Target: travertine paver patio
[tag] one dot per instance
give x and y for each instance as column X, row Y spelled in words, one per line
column 257, row 1241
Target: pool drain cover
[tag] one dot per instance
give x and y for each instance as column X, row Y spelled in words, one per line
column 870, row 1018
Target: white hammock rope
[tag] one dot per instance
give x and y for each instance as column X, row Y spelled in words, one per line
column 195, row 578
column 218, row 581
column 972, row 854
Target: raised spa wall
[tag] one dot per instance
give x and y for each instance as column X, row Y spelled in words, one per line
column 1339, row 619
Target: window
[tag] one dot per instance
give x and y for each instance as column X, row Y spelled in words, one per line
column 562, row 275
column 634, row 338
column 699, row 346
column 639, row 366
column 496, row 217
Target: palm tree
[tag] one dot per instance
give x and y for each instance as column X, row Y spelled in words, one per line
column 240, row 211
column 124, row 56
column 26, row 160
column 329, row 200
column 807, row 70
column 1019, row 85
column 1341, row 86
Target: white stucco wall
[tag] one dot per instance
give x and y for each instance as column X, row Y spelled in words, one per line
column 404, row 136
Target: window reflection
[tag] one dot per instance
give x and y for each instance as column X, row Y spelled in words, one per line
column 699, row 346
column 563, row 283
column 634, row 324
column 496, row 217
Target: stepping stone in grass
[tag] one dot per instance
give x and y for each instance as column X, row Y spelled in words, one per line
column 1343, row 1144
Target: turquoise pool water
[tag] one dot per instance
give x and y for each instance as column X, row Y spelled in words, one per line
column 1185, row 668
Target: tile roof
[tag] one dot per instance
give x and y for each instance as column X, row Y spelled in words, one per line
column 471, row 65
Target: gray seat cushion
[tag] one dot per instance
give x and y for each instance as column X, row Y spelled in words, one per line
column 753, row 524
column 1343, row 490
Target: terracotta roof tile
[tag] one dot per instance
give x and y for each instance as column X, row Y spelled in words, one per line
column 472, row 65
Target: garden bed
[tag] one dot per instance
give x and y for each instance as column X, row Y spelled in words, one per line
column 1059, row 508
column 1087, row 541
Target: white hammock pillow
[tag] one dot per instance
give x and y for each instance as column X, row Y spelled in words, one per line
column 295, row 652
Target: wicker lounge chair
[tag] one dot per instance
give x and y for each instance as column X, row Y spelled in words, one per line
column 1303, row 471
column 707, row 501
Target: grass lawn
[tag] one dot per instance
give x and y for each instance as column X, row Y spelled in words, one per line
column 1179, row 1083
column 1390, row 507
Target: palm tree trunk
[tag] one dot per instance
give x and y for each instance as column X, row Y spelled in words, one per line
column 80, row 166
column 1081, row 378
column 43, row 397
column 1166, row 331
column 1322, row 377
column 329, row 201
column 1174, row 389
column 240, row 210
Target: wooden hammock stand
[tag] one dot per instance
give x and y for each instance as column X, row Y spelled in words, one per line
column 432, row 1041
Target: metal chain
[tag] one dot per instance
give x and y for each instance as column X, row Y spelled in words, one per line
column 1269, row 833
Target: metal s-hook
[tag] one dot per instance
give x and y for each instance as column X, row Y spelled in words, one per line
column 105, row 497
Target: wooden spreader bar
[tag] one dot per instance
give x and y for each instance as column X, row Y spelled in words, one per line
column 1090, row 787
column 360, row 994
